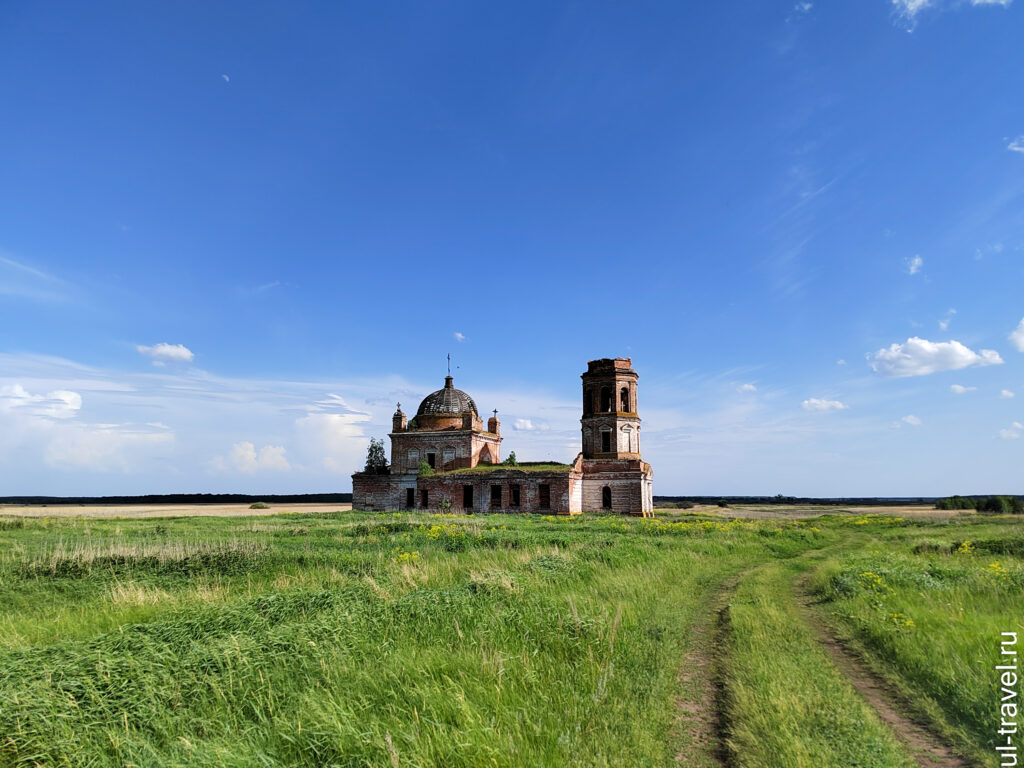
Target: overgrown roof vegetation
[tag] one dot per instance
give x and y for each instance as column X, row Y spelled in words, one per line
column 523, row 466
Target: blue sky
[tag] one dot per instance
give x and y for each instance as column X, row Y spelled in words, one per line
column 233, row 236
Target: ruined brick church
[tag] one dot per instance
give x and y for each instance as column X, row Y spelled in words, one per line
column 448, row 435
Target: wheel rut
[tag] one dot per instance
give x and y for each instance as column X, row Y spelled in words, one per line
column 926, row 748
column 700, row 725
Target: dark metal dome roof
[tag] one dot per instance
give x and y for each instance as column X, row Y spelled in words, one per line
column 447, row 401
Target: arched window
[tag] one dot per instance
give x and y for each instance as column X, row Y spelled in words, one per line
column 606, row 498
column 624, row 400
column 627, row 437
column 588, row 401
column 606, row 399
column 606, row 440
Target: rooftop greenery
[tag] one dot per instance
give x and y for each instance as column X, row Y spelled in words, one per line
column 481, row 469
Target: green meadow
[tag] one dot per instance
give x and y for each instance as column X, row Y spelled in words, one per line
column 409, row 639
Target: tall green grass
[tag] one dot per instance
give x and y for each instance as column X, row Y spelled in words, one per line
column 357, row 640
column 929, row 607
column 788, row 706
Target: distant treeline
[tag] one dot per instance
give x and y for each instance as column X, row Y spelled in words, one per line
column 185, row 498
column 872, row 501
column 1000, row 505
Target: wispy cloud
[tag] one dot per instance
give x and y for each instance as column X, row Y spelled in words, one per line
column 746, row 388
column 919, row 357
column 1016, row 145
column 914, row 264
column 459, row 337
column 959, row 389
column 1006, row 394
column 24, row 281
column 912, row 420
column 907, row 11
column 945, row 321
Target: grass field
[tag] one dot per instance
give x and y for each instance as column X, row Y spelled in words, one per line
column 410, row 639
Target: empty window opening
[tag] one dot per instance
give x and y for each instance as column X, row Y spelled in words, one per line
column 606, row 399
column 544, row 496
column 606, row 498
column 432, row 459
column 414, row 458
column 496, row 496
column 606, row 441
column 467, row 496
column 513, row 496
column 588, row 401
column 423, row 499
column 624, row 399
column 410, row 498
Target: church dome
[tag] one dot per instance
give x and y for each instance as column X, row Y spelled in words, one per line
column 447, row 402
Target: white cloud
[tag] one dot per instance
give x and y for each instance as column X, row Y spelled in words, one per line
column 912, row 420
column 1013, row 432
column 746, row 388
column 817, row 404
column 245, row 458
column 1007, row 394
column 919, row 357
column 45, row 430
column 840, row 362
column 1017, row 336
column 914, row 265
column 959, row 389
column 226, row 78
column 459, row 337
column 59, row 404
column 803, row 7
column 523, row 425
column 178, row 353
column 1016, row 145
column 104, row 447
column 944, row 322
column 334, row 441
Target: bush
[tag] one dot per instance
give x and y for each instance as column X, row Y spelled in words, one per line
column 424, row 469
column 511, row 461
column 723, row 503
column 1001, row 505
column 259, row 505
column 955, row 502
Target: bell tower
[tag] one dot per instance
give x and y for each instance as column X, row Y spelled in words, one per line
column 611, row 426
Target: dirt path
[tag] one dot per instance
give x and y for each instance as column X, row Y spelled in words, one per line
column 700, row 705
column 924, row 747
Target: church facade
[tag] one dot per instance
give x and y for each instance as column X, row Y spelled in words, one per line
column 445, row 456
